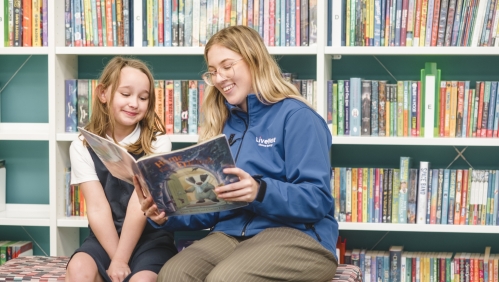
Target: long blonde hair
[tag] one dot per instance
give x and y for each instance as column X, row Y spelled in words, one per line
column 266, row 77
column 103, row 119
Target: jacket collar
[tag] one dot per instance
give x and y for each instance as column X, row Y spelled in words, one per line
column 254, row 106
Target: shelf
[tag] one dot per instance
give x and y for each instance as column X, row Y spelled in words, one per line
column 169, row 50
column 25, row 215
column 24, row 51
column 369, row 140
column 24, row 131
column 452, row 51
column 418, row 227
column 73, row 221
column 176, row 138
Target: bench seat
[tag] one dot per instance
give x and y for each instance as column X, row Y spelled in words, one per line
column 45, row 269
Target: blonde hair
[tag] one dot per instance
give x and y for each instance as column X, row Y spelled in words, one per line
column 103, row 119
column 266, row 77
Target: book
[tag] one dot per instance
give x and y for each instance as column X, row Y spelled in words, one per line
column 180, row 182
column 3, row 185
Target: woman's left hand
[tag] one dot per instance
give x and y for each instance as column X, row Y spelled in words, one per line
column 245, row 190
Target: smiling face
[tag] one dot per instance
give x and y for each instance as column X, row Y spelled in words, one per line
column 130, row 102
column 236, row 88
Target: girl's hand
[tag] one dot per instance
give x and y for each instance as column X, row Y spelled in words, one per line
column 245, row 190
column 118, row 270
column 148, row 206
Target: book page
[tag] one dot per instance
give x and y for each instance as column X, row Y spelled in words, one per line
column 117, row 160
column 182, row 182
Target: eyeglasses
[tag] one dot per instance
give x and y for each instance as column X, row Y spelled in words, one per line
column 225, row 72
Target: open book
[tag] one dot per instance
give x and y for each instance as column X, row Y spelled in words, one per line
column 181, row 181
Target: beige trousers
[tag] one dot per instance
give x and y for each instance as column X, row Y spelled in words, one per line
column 275, row 254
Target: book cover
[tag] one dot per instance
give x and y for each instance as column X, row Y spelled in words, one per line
column 71, row 118
column 3, row 177
column 412, row 195
column 180, row 182
column 422, row 191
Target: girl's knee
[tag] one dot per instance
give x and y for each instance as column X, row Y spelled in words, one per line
column 144, row 276
column 80, row 262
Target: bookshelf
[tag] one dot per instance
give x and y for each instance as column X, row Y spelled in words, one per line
column 320, row 62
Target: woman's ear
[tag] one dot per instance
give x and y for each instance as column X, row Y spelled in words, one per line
column 101, row 93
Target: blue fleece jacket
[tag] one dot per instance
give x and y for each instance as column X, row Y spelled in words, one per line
column 285, row 146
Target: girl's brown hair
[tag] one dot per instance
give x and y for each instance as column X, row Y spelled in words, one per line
column 266, row 77
column 103, row 119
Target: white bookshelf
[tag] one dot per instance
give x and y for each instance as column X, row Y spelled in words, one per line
column 24, row 51
column 25, row 215
column 63, row 64
column 418, row 227
column 25, row 131
column 398, row 51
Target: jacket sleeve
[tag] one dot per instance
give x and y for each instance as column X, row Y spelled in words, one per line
column 306, row 195
column 187, row 222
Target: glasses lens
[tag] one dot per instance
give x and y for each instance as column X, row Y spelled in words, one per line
column 227, row 72
column 207, row 78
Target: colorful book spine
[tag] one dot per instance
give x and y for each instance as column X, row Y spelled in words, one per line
column 424, row 169
column 169, row 107
column 71, row 105
column 177, row 109
column 374, row 108
column 193, row 107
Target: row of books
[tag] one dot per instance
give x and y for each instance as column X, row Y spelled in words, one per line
column 74, row 200
column 376, row 108
column 193, row 22
column 177, row 102
column 406, row 195
column 399, row 265
column 13, row 249
column 25, row 23
column 98, row 23
column 416, row 22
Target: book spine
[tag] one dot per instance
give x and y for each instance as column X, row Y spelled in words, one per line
column 382, row 108
column 167, row 9
column 374, row 108
column 422, row 192
column 193, row 107
column 452, row 195
column 458, row 197
column 71, row 105
column 492, row 106
column 341, row 108
column 412, row 195
column 169, row 105
column 177, row 110
column 460, row 108
column 414, row 108
column 67, row 23
column 365, row 113
column 347, row 106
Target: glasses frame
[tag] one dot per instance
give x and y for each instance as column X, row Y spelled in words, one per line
column 208, row 76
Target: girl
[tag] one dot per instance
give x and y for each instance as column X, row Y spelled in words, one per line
column 281, row 147
column 121, row 245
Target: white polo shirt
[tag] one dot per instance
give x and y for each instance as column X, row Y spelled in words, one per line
column 82, row 164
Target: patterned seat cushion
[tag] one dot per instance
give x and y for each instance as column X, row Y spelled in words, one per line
column 45, row 269
column 34, row 268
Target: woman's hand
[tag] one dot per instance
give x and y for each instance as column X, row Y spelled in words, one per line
column 245, row 190
column 118, row 270
column 148, row 206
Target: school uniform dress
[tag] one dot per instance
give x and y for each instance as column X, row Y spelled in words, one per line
column 155, row 246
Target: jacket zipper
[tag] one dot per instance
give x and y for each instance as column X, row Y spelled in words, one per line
column 246, row 225
column 246, row 124
column 244, row 133
column 311, row 226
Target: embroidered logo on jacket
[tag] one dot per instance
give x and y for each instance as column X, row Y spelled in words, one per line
column 265, row 142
